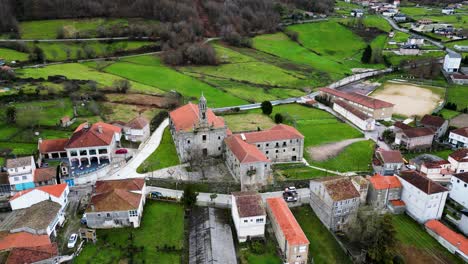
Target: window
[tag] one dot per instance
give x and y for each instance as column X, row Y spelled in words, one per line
column 24, row 168
column 132, row 213
column 73, row 153
column 102, row 151
column 16, row 178
column 284, row 150
column 267, row 144
column 204, row 137
column 246, row 221
column 465, row 185
column 294, row 149
column 276, row 151
column 277, row 144
column 219, row 148
column 188, row 141
column 107, row 214
column 92, row 152
column 83, row 152
column 258, row 145
column 284, row 144
column 219, row 137
column 24, row 177
column 259, row 220
column 267, row 152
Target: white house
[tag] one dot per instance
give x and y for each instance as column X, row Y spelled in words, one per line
column 455, row 243
column 424, row 198
column 448, row 11
column 137, row 129
column 357, row 13
column 21, row 172
column 459, row 191
column 459, row 161
column 409, row 49
column 452, row 62
column 55, row 193
column 415, row 40
column 248, row 215
column 437, row 170
column 117, row 203
column 354, row 115
column 459, row 137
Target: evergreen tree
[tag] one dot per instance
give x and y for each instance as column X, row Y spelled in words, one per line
column 267, row 107
column 278, row 118
column 367, row 55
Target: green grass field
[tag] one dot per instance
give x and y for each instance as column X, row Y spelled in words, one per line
column 397, row 59
column 164, row 156
column 458, row 94
column 82, row 72
column 417, row 244
column 441, row 154
column 323, row 247
column 48, row 112
column 150, row 71
column 20, row 149
column 448, row 114
column 297, row 172
column 269, row 257
column 248, row 122
column 12, row 55
column 355, row 157
column 112, row 243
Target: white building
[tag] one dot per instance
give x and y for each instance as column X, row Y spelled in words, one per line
column 354, row 115
column 452, row 61
column 455, row 243
column 137, row 129
column 439, row 171
column 357, row 13
column 55, row 193
column 424, row 198
column 415, row 40
column 463, row 223
column 459, row 137
column 459, row 161
column 21, row 172
column 448, row 11
column 248, row 214
column 459, row 191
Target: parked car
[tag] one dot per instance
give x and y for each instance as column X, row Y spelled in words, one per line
column 289, row 197
column 291, row 189
column 121, row 151
column 72, row 240
column 411, row 167
column 155, row 195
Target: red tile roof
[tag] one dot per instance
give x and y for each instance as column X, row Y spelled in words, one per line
column 380, row 182
column 276, row 133
column 249, row 204
column 432, row 121
column 287, row 222
column 359, row 99
column 54, row 190
column 460, row 155
column 461, row 131
column 92, row 136
column 401, row 125
column 116, row 195
column 52, row 145
column 244, row 152
column 418, row 132
column 22, row 240
column 32, row 254
column 462, row 176
column 435, row 164
column 45, row 174
column 397, row 203
column 186, row 117
column 457, row 240
column 356, row 112
column 339, row 188
column 421, row 182
column 138, row 123
column 390, row 156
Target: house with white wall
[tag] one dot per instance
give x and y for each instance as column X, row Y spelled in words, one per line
column 117, row 203
column 454, row 242
column 387, row 162
column 459, row 137
column 354, row 115
column 55, row 193
column 439, row 171
column 248, row 214
column 21, row 172
column 452, row 62
column 459, row 161
column 437, row 123
column 137, row 129
column 459, row 191
column 424, row 198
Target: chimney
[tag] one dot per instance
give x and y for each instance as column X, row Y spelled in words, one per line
column 99, row 129
column 86, row 125
column 243, row 137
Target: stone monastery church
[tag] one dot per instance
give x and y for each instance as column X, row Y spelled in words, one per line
column 198, row 132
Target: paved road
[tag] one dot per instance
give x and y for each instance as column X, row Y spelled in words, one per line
column 129, row 170
column 77, row 39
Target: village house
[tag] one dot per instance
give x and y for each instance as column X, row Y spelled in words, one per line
column 448, row 11
column 375, row 108
column 116, row 203
column 21, row 172
column 400, row 17
column 452, row 61
column 387, row 162
column 137, row 129
column 249, row 215
column 415, row 138
column 424, row 198
column 354, row 115
column 52, row 149
column 197, row 132
column 437, row 123
column 459, row 137
column 19, row 248
column 460, row 79
column 45, row 176
column 459, row 190
column 37, row 211
column 459, row 161
column 66, row 121
column 292, row 241
column 439, row 171
column 409, row 49
column 335, row 200
column 385, row 192
column 455, row 243
column 357, row 13
column 415, row 40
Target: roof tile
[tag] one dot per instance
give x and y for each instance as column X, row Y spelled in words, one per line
column 359, row 99
column 457, row 240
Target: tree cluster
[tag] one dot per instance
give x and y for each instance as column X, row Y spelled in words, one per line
column 451, row 106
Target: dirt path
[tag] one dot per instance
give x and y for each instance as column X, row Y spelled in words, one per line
column 327, row 151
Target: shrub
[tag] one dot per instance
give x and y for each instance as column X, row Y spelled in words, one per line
column 278, row 118
column 257, row 247
column 267, row 107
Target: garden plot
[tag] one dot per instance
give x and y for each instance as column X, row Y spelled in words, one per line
column 410, row 99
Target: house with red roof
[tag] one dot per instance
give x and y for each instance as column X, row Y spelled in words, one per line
column 415, row 137
column 137, row 129
column 292, row 241
column 20, row 248
column 423, row 197
column 248, row 214
column 385, row 193
column 360, row 119
column 335, row 200
column 459, row 190
column 197, row 132
column 56, row 193
column 437, row 123
column 375, row 108
column 387, row 162
column 459, row 137
column 459, row 160
column 21, row 172
column 439, row 170
column 116, row 203
column 454, row 242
